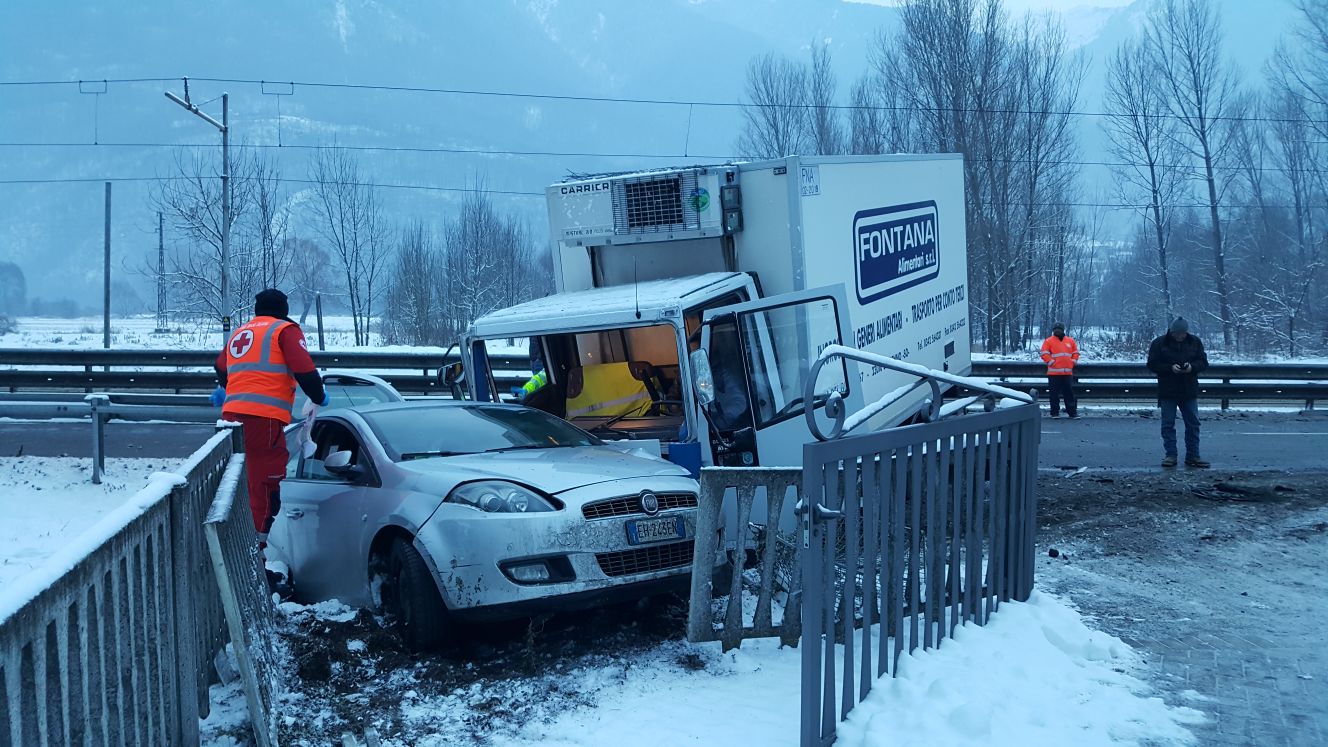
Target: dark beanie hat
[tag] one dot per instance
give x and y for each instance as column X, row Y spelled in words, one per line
column 1180, row 325
column 1057, row 326
column 271, row 302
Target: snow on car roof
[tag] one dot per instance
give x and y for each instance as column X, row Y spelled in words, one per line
column 651, row 296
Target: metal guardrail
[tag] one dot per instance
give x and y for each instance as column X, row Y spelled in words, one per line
column 32, row 370
column 182, row 371
column 115, row 649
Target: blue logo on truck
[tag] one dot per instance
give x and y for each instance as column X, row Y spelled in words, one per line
column 895, row 248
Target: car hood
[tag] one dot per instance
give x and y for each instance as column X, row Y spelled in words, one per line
column 550, row 470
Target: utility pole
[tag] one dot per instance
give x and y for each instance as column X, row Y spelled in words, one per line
column 163, row 324
column 224, row 127
column 106, row 277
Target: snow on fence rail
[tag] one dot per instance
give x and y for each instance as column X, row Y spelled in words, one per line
column 110, row 641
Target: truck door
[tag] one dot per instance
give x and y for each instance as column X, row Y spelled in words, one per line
column 760, row 354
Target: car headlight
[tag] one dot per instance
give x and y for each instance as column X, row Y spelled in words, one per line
column 500, row 497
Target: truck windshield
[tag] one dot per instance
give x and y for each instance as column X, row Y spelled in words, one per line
column 622, row 381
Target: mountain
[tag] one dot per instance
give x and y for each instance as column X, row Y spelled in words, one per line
column 674, row 50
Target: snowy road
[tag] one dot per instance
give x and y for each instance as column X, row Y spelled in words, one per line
column 74, row 439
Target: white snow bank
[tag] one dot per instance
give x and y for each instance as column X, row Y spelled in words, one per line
column 1035, row 675
column 38, row 550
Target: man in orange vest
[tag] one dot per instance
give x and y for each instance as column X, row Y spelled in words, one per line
column 1060, row 353
column 258, row 370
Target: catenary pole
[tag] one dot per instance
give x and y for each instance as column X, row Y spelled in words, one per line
column 106, row 276
column 223, row 126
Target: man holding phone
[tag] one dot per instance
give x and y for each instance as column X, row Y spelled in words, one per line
column 1178, row 358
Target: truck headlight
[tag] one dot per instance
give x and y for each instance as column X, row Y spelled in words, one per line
column 500, row 497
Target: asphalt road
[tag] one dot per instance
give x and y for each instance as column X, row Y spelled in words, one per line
column 31, row 438
column 1232, row 440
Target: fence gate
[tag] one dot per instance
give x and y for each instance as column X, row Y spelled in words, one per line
column 909, row 533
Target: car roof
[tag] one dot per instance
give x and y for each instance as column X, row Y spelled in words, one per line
column 421, row 404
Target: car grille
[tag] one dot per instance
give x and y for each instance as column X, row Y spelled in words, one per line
column 631, row 505
column 645, row 559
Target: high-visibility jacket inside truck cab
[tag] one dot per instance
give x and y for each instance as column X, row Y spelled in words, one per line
column 1060, row 355
column 258, row 382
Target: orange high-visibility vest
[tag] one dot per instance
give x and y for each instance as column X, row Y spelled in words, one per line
column 1060, row 355
column 257, row 379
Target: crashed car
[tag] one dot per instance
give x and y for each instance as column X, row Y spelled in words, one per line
column 443, row 511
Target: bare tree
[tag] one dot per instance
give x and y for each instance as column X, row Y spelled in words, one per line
column 775, row 122
column 271, row 216
column 413, row 306
column 1143, row 138
column 1185, row 38
column 350, row 222
column 309, row 274
column 825, row 134
column 190, row 199
column 490, row 262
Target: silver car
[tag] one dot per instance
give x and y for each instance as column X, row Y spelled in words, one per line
column 470, row 510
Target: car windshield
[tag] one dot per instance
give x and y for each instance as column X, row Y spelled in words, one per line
column 420, row 432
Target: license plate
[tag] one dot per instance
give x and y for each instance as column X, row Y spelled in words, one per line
column 644, row 531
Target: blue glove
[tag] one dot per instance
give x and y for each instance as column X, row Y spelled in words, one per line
column 217, row 397
column 518, row 392
column 327, row 400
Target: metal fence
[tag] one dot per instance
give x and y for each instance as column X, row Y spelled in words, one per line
column 116, row 649
column 913, row 531
column 233, row 548
column 762, row 494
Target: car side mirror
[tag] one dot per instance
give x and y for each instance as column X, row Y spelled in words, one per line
column 702, row 378
column 338, row 463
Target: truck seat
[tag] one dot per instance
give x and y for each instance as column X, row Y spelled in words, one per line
column 607, row 390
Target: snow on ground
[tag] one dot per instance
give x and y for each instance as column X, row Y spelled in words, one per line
column 138, row 332
column 46, row 501
column 1035, row 675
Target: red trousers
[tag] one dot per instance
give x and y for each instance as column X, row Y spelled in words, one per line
column 265, row 458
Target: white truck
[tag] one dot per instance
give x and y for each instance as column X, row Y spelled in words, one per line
column 692, row 302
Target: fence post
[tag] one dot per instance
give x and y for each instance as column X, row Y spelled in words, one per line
column 96, row 402
column 1226, row 403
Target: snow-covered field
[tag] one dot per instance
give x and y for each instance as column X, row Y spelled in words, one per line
column 137, row 333
column 1035, row 675
column 47, row 501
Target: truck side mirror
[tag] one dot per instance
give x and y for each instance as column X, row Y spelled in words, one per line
column 702, row 378
column 453, row 376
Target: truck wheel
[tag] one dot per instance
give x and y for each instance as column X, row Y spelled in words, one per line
column 410, row 597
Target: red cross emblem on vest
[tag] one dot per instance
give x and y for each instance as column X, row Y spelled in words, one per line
column 241, row 342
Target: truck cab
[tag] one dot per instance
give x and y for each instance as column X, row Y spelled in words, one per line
column 622, row 363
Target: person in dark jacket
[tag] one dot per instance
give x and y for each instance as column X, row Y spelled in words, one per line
column 1178, row 358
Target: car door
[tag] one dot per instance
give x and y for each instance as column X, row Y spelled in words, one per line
column 323, row 518
column 771, row 344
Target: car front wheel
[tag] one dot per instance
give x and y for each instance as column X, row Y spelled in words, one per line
column 411, row 599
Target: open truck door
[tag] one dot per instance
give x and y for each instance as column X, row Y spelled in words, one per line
column 751, row 371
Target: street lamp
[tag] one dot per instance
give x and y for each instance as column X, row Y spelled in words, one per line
column 224, row 127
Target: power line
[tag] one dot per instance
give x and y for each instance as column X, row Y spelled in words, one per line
column 383, row 185
column 653, row 101
column 383, row 148
column 540, row 193
column 588, row 154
